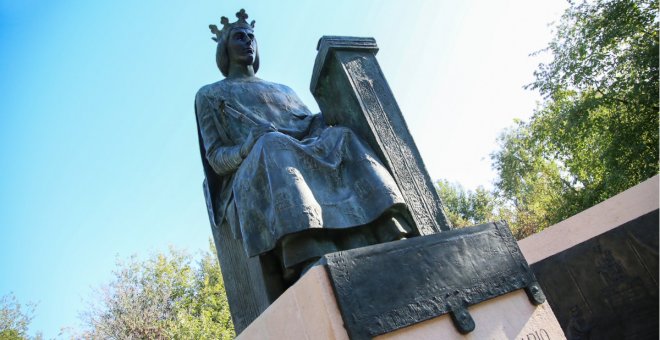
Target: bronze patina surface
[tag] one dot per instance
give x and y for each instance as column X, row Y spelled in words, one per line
column 385, row 287
column 282, row 187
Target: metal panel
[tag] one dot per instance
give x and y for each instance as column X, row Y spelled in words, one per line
column 385, row 287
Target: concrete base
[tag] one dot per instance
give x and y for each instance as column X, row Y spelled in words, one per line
column 509, row 316
column 308, row 310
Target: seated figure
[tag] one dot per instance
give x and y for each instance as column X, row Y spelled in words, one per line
column 286, row 184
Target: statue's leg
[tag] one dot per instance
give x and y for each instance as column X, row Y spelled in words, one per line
column 397, row 224
column 296, row 253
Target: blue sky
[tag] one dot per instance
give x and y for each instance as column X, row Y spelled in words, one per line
column 97, row 130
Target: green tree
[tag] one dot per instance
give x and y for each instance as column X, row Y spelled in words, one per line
column 596, row 132
column 467, row 208
column 163, row 297
column 15, row 319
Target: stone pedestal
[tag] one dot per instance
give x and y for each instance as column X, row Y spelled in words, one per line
column 468, row 283
column 308, row 310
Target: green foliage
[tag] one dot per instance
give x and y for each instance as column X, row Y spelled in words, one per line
column 467, row 208
column 163, row 297
column 15, row 319
column 596, row 133
column 529, row 183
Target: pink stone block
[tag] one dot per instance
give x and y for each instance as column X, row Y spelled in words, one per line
column 308, row 310
column 510, row 316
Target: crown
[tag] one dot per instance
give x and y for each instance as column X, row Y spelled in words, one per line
column 226, row 26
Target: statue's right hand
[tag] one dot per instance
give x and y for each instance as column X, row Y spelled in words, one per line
column 253, row 136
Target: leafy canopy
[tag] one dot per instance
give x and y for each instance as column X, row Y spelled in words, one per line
column 15, row 319
column 466, row 207
column 596, row 132
column 163, row 297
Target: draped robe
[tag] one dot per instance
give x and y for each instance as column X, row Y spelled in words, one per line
column 305, row 176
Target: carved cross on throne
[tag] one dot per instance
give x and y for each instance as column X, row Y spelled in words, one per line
column 351, row 91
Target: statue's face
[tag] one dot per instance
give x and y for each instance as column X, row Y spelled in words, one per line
column 241, row 46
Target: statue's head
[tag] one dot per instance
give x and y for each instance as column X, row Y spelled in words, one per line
column 236, row 43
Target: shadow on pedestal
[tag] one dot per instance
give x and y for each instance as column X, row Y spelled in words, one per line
column 607, row 287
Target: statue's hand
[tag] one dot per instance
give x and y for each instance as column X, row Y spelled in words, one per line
column 254, row 135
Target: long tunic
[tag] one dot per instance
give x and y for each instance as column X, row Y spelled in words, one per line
column 303, row 176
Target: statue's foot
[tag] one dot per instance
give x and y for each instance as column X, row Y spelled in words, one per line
column 292, row 274
column 392, row 227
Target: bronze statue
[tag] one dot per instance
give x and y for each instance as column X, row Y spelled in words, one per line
column 283, row 189
column 284, row 182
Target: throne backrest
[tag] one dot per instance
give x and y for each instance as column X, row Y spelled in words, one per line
column 351, row 91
